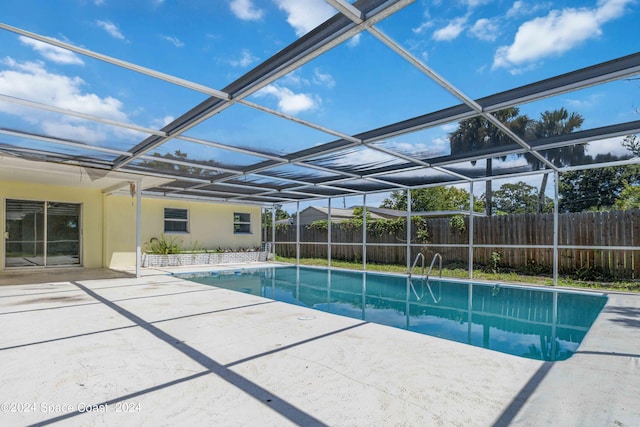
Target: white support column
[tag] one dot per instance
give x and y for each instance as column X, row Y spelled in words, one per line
column 263, row 228
column 408, row 231
column 471, row 221
column 556, row 177
column 364, row 232
column 297, row 233
column 273, row 233
column 138, row 226
column 329, row 235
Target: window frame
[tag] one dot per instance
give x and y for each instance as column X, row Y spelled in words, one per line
column 176, row 221
column 239, row 223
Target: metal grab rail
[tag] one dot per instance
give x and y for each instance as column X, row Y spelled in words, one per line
column 425, row 279
column 420, row 255
column 431, row 266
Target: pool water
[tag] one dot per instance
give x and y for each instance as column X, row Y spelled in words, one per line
column 542, row 324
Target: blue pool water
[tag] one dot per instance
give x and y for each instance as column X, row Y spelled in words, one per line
column 541, row 324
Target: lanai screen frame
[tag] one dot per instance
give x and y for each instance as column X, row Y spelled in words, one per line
column 262, row 183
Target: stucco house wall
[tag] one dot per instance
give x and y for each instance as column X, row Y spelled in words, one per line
column 108, row 222
column 210, row 226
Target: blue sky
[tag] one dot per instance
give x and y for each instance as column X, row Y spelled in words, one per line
column 480, row 46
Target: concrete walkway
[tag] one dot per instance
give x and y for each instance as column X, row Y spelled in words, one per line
column 160, row 351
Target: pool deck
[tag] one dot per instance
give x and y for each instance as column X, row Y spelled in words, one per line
column 82, row 347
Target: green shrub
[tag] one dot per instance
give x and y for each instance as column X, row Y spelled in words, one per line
column 163, row 245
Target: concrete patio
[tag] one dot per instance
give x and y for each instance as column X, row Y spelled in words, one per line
column 83, row 347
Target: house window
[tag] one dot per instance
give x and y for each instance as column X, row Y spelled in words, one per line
column 241, row 223
column 176, row 220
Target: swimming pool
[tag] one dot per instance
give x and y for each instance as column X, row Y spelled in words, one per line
column 542, row 324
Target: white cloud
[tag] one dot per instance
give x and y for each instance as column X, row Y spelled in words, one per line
column 323, row 79
column 98, row 2
column 428, row 23
column 52, row 53
column 304, row 16
column 245, row 60
column 111, row 28
column 557, row 33
column 452, row 30
column 245, row 10
column 438, row 147
column 355, row 40
column 160, row 123
column 485, row 29
column 585, row 103
column 607, row 146
column 476, row 3
column 422, row 27
column 288, row 101
column 517, row 9
column 173, row 40
column 31, row 81
column 520, row 8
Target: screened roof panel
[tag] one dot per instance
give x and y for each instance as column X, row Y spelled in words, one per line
column 9, row 139
column 499, row 167
column 36, row 121
column 241, row 126
column 420, row 176
column 424, row 144
column 343, row 99
column 356, row 160
column 363, row 185
column 54, row 156
column 160, row 167
column 300, row 173
column 508, row 44
column 587, row 108
column 254, row 180
column 203, row 154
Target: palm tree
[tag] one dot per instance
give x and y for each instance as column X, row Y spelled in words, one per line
column 554, row 123
column 478, row 133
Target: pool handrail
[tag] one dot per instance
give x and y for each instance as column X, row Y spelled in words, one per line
column 426, row 278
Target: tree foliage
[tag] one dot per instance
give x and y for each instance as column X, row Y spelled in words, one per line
column 479, row 134
column 555, row 123
column 519, row 198
column 629, row 198
column 431, row 199
column 595, row 189
column 280, row 214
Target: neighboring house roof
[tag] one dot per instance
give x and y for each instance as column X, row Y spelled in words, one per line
column 335, row 212
column 386, row 213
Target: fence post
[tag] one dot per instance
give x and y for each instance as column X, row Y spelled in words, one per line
column 273, row 232
column 471, row 230
column 364, row 233
column 329, row 235
column 556, row 177
column 408, row 231
column 297, row 233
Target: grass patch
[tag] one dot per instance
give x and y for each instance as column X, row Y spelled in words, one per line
column 459, row 273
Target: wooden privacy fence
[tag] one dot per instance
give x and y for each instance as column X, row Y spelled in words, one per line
column 590, row 242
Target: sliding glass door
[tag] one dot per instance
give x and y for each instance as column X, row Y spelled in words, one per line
column 41, row 234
